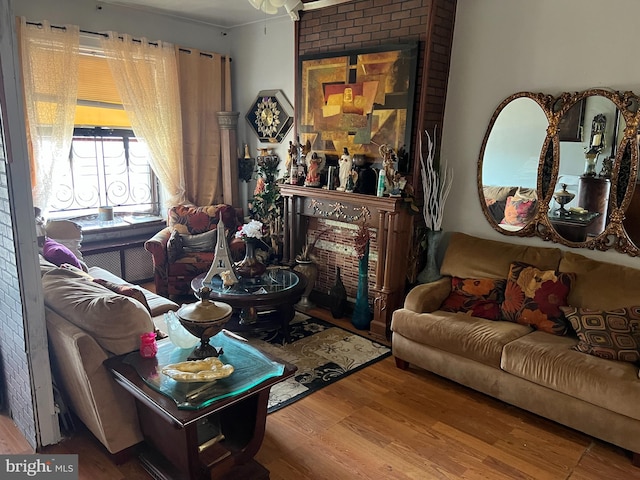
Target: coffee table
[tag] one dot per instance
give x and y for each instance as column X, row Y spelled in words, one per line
column 200, row 430
column 260, row 304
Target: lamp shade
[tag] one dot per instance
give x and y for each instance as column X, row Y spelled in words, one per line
column 256, row 3
column 278, row 3
column 267, row 7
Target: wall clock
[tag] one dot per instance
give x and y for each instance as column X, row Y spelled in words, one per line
column 270, row 116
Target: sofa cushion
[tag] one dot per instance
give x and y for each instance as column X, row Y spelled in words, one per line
column 550, row 361
column 115, row 321
column 479, row 297
column 157, row 303
column 202, row 242
column 470, row 337
column 192, row 220
column 612, row 334
column 600, row 285
column 472, row 257
column 534, row 297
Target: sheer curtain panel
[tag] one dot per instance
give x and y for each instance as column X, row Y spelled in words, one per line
column 49, row 58
column 146, row 77
column 205, row 90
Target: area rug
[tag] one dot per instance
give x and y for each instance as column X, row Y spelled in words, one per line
column 323, row 353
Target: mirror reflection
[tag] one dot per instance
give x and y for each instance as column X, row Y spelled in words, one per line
column 510, row 163
column 564, row 168
column 585, row 172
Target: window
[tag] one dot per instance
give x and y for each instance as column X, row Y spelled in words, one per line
column 107, row 167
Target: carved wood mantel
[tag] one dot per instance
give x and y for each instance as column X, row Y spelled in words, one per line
column 387, row 215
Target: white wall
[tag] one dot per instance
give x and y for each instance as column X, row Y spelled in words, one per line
column 502, row 47
column 263, row 59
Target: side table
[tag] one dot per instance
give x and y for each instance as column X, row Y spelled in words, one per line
column 218, row 440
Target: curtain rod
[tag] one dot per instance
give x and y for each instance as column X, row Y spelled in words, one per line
column 185, row 50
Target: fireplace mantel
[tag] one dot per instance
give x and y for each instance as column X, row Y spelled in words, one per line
column 387, row 215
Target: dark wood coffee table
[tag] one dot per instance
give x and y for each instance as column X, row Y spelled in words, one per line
column 212, row 437
column 260, row 304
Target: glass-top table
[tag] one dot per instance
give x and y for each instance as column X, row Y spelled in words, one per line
column 262, row 303
column 250, row 368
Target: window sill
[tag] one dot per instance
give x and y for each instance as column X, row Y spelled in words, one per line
column 121, row 227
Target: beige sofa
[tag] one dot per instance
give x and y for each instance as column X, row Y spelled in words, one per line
column 86, row 323
column 533, row 370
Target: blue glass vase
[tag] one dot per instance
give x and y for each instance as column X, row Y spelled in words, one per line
column 361, row 313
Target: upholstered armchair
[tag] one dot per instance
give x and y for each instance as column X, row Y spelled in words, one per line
column 185, row 247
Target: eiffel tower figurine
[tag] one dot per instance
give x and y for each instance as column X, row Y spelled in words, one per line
column 221, row 260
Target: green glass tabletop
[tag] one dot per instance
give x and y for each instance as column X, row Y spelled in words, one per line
column 251, row 368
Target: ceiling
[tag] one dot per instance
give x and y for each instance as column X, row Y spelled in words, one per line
column 220, row 13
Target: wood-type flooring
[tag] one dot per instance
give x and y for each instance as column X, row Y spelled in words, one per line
column 385, row 423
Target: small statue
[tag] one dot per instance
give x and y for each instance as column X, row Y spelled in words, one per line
column 351, row 181
column 388, row 159
column 345, row 169
column 607, row 168
column 313, row 176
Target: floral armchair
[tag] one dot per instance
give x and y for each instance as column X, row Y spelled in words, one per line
column 185, row 247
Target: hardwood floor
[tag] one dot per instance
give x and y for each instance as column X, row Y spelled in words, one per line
column 385, row 423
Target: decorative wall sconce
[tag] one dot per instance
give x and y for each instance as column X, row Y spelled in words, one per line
column 596, row 144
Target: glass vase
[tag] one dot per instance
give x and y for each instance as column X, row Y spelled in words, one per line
column 361, row 318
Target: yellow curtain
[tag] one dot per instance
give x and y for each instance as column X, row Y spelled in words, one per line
column 205, row 89
column 49, row 59
column 146, row 78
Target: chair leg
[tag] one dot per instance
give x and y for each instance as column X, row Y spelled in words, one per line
column 402, row 364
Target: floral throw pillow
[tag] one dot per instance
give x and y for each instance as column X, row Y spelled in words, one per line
column 518, row 211
column 479, row 297
column 534, row 297
column 612, row 334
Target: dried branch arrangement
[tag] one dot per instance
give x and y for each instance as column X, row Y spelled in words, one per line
column 436, row 183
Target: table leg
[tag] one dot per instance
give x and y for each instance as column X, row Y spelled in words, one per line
column 248, row 316
column 286, row 312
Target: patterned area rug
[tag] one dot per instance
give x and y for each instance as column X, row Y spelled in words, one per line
column 323, row 354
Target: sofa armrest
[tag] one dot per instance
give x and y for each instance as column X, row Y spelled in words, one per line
column 157, row 246
column 429, row 296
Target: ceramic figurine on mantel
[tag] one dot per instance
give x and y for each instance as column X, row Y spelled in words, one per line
column 345, row 169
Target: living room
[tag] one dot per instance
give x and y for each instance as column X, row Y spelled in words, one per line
column 499, row 48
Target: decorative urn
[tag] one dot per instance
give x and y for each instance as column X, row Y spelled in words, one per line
column 204, row 319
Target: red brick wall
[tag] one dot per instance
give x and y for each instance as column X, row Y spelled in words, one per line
column 367, row 23
column 336, row 249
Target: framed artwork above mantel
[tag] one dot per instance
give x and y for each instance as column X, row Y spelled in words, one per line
column 358, row 99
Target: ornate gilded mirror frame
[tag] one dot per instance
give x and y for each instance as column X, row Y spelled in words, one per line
column 619, row 171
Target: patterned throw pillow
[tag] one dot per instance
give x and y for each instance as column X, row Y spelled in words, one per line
column 126, row 290
column 480, row 297
column 518, row 212
column 534, row 297
column 612, row 334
